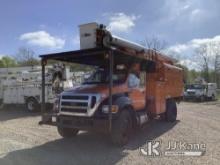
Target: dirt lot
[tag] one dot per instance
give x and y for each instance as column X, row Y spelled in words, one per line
column 24, row 142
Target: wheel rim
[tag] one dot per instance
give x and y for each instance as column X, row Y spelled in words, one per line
column 30, row 105
column 202, row 99
column 174, row 113
column 1, row 105
column 213, row 97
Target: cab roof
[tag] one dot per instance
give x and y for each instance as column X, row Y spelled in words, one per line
column 95, row 56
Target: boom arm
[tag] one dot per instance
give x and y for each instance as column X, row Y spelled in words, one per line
column 93, row 35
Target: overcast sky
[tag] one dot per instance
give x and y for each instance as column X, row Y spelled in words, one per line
column 52, row 25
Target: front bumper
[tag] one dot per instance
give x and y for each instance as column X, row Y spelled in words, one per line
column 81, row 123
column 191, row 97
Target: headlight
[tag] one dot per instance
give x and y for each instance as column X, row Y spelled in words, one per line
column 105, row 108
column 56, row 105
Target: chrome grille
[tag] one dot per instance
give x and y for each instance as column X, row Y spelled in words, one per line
column 78, row 104
column 191, row 93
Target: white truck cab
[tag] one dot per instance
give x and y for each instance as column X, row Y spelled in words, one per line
column 201, row 92
column 22, row 85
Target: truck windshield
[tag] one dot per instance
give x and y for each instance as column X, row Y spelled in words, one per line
column 101, row 76
column 195, row 86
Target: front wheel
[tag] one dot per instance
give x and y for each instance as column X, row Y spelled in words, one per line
column 32, row 105
column 67, row 132
column 202, row 98
column 171, row 111
column 121, row 129
column 1, row 104
column 213, row 97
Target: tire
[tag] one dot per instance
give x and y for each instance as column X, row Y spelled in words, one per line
column 1, row 104
column 202, row 98
column 185, row 99
column 171, row 111
column 67, row 132
column 213, row 98
column 163, row 116
column 121, row 128
column 32, row 105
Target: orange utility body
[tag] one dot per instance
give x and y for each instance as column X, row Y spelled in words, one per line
column 165, row 83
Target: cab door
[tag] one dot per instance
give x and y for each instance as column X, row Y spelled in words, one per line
column 138, row 94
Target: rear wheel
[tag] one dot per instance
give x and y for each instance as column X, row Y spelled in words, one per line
column 122, row 128
column 213, row 97
column 1, row 106
column 171, row 111
column 67, row 132
column 202, row 98
column 32, row 104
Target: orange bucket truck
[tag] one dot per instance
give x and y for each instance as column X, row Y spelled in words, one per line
column 130, row 86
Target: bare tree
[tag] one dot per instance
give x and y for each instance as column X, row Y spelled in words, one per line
column 208, row 55
column 215, row 53
column 217, row 70
column 26, row 57
column 216, row 61
column 217, row 64
column 154, row 43
column 202, row 55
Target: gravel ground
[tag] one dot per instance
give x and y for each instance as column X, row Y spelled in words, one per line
column 24, row 142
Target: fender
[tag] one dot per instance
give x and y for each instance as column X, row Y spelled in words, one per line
column 122, row 100
column 125, row 101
